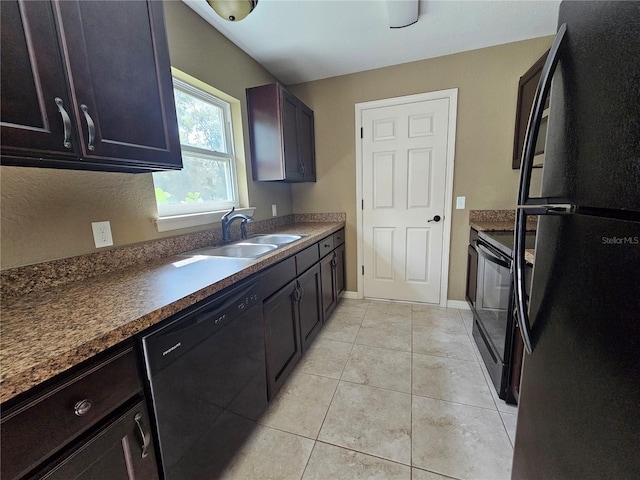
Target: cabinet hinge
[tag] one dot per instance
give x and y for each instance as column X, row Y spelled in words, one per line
column 361, row 132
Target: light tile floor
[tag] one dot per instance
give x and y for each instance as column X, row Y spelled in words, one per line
column 387, row 391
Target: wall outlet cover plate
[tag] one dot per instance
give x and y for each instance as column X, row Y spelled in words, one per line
column 102, row 234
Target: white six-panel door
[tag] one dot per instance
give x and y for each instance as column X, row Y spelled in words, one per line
column 404, row 162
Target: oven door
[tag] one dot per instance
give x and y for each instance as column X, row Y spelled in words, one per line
column 493, row 326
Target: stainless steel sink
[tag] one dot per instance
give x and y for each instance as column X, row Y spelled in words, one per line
column 234, row 250
column 252, row 247
column 272, row 238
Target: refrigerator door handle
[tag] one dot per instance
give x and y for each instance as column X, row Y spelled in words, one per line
column 536, row 206
column 518, row 280
column 535, row 118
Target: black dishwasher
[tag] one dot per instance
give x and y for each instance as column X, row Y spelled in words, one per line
column 207, row 378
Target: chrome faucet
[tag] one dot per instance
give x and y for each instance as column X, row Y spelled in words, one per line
column 226, row 221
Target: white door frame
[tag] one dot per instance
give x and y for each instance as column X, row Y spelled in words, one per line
column 452, row 95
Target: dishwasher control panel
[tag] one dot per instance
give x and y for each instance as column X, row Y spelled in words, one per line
column 248, row 301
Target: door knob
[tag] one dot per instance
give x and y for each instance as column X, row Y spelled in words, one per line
column 436, row 219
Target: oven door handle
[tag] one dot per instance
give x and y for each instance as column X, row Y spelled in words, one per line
column 486, row 252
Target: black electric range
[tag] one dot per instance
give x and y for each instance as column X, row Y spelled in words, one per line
column 494, row 322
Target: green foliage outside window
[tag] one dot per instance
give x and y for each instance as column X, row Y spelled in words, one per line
column 207, row 174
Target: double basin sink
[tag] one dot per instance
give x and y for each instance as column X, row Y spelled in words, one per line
column 253, row 247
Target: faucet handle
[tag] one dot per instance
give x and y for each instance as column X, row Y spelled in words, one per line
column 226, row 215
column 243, row 227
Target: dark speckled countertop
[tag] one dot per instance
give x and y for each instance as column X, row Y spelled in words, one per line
column 48, row 331
column 500, row 221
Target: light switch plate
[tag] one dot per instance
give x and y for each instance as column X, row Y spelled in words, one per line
column 274, row 210
column 460, row 203
column 102, row 234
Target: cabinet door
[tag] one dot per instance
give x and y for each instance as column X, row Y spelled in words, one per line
column 47, row 423
column 339, row 270
column 290, row 107
column 33, row 80
column 282, row 337
column 329, row 298
column 306, row 143
column 526, row 91
column 122, row 450
column 120, row 71
column 310, row 305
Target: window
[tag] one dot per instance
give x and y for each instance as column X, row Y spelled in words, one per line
column 207, row 181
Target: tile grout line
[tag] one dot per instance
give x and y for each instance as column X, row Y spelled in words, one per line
column 315, row 441
column 338, row 383
column 411, row 405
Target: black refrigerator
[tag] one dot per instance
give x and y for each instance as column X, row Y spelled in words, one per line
column 579, row 409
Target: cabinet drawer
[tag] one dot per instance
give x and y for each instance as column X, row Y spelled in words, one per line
column 117, row 451
column 338, row 238
column 35, row 430
column 278, row 276
column 307, row 258
column 326, row 245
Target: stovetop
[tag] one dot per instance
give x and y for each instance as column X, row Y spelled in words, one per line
column 504, row 241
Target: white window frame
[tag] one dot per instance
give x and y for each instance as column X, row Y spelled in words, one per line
column 173, row 211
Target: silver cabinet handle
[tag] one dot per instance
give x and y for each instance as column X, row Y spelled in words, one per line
column 90, row 125
column 82, row 407
column 66, row 122
column 144, row 437
column 297, row 296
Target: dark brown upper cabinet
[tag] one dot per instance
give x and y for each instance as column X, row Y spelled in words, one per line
column 87, row 85
column 526, row 92
column 281, row 132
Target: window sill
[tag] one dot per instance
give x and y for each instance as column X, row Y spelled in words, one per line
column 176, row 222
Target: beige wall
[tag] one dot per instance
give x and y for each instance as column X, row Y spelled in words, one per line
column 47, row 214
column 487, row 82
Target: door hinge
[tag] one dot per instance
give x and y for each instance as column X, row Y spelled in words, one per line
column 362, row 269
column 361, row 132
column 363, row 204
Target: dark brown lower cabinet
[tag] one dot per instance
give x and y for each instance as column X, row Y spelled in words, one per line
column 282, row 336
column 82, row 425
column 121, row 450
column 310, row 305
column 329, row 288
column 294, row 313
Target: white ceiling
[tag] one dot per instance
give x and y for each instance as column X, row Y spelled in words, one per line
column 304, row 40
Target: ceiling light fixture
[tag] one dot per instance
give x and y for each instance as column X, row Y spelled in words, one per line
column 402, row 13
column 233, row 10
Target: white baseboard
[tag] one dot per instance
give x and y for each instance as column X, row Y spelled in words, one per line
column 351, row 295
column 462, row 305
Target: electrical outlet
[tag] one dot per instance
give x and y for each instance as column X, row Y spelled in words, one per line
column 102, row 234
column 460, row 203
column 274, row 210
